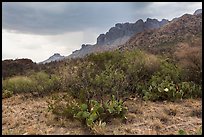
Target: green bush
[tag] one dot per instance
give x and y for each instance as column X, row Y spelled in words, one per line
column 101, row 59
column 65, row 105
column 38, row 82
column 190, row 90
column 138, row 67
column 19, row 84
column 45, row 82
column 109, row 81
column 166, row 89
column 88, row 113
column 104, row 73
column 167, row 84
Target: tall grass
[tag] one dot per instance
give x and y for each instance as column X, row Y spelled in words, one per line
column 38, row 82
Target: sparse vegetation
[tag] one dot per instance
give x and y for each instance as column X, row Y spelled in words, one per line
column 183, row 132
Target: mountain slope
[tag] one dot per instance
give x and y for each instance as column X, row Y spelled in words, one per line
column 186, row 28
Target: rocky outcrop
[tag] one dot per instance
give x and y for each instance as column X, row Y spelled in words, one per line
column 199, row 11
column 127, row 30
column 117, row 35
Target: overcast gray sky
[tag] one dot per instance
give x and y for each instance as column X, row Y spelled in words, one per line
column 37, row 30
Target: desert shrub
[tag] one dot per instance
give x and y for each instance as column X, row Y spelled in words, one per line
column 101, row 59
column 117, row 73
column 64, row 105
column 19, row 84
column 45, row 82
column 167, row 84
column 169, row 71
column 138, row 67
column 166, row 89
column 163, row 91
column 38, row 82
column 190, row 90
column 88, row 81
column 110, row 80
column 123, row 73
column 190, row 59
column 101, row 112
column 88, row 113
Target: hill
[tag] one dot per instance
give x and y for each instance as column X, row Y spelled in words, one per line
column 186, row 29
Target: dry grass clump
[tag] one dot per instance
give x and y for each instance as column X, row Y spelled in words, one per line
column 189, row 57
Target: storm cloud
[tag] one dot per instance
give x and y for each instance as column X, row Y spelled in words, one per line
column 55, row 18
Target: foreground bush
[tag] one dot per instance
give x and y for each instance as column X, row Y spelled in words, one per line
column 167, row 84
column 88, row 113
column 113, row 73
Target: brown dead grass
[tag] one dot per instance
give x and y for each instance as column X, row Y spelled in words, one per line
column 27, row 115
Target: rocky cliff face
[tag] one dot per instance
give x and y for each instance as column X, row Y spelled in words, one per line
column 118, row 35
column 127, row 30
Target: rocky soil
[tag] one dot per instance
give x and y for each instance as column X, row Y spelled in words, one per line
column 23, row 114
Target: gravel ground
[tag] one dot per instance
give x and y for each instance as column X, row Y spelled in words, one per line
column 22, row 114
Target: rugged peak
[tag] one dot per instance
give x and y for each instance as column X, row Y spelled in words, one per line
column 56, row 54
column 163, row 22
column 85, row 45
column 140, row 20
column 55, row 57
column 150, row 20
column 122, row 31
column 198, row 11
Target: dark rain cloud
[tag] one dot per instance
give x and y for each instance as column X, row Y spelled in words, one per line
column 57, row 18
column 51, row 18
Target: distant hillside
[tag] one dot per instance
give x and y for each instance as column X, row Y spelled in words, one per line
column 17, row 67
column 187, row 28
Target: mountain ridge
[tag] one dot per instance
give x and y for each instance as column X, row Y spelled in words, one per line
column 120, row 34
